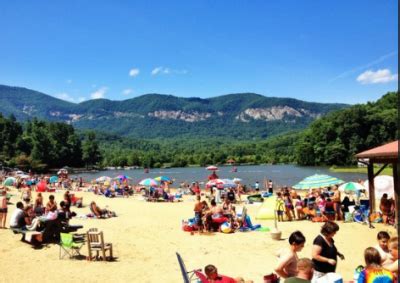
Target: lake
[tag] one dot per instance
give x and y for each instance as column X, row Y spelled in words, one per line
column 279, row 174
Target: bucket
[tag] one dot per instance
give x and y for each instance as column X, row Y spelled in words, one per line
column 276, row 235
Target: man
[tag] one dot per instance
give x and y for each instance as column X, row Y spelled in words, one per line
column 17, row 219
column 305, row 271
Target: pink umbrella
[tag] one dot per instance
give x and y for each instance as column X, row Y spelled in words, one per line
column 212, row 168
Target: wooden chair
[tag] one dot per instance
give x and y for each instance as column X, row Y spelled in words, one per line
column 95, row 242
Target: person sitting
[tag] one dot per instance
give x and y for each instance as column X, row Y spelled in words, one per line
column 38, row 205
column 383, row 249
column 374, row 272
column 213, row 276
column 287, row 263
column 17, row 219
column 305, row 271
column 387, row 208
column 51, row 205
column 100, row 213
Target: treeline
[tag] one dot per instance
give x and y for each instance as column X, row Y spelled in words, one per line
column 338, row 136
column 330, row 140
column 40, row 145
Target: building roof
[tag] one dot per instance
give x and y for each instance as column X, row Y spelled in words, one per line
column 386, row 151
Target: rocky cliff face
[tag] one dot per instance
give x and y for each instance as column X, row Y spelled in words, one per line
column 180, row 115
column 273, row 113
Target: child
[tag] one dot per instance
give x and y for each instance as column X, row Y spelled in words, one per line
column 287, row 264
column 394, row 251
column 198, row 209
column 299, row 208
column 279, row 206
column 374, row 272
column 3, row 209
column 382, row 247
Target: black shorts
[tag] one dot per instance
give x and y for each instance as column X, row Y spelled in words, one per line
column 3, row 210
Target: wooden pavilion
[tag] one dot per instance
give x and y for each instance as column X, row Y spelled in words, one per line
column 385, row 154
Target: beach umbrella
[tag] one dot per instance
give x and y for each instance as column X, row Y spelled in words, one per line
column 62, row 171
column 228, row 183
column 53, row 179
column 24, row 176
column 41, row 187
column 103, row 179
column 149, row 182
column 383, row 185
column 351, row 187
column 237, row 180
column 9, row 181
column 163, row 179
column 212, row 168
column 317, row 181
column 123, row 177
column 215, row 183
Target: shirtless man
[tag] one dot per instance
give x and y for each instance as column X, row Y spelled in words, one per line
column 337, row 202
column 198, row 213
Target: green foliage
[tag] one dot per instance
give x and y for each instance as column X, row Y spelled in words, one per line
column 337, row 137
column 90, row 150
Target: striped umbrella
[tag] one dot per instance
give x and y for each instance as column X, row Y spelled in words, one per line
column 163, row 179
column 10, row 181
column 149, row 182
column 317, row 181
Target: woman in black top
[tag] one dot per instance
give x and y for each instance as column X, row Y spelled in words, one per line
column 324, row 251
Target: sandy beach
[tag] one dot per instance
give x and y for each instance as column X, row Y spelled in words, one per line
column 146, row 237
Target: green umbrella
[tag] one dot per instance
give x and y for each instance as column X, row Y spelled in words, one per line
column 9, row 181
column 317, row 181
column 351, row 187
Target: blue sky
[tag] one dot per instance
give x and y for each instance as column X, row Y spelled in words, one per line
column 324, row 51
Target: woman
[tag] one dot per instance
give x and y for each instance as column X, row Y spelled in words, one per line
column 289, row 208
column 324, row 251
column 287, row 264
column 3, row 209
column 387, row 208
column 374, row 272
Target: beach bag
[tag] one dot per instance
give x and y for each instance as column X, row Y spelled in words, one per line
column 271, row 278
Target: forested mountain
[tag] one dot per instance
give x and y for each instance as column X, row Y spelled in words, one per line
column 239, row 116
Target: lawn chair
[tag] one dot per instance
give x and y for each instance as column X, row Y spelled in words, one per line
column 95, row 242
column 68, row 246
column 185, row 273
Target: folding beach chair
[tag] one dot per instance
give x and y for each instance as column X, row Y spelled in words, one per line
column 68, row 246
column 187, row 275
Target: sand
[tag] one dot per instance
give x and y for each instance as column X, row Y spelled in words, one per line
column 146, row 237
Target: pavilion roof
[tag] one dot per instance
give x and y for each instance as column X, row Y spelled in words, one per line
column 389, row 151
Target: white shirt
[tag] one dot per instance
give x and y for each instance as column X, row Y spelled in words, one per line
column 385, row 256
column 16, row 215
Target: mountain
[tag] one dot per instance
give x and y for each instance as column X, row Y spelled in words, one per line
column 239, row 116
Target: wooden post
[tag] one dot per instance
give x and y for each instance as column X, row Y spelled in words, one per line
column 396, row 180
column 371, row 187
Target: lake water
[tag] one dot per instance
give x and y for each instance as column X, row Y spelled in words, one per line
column 279, row 174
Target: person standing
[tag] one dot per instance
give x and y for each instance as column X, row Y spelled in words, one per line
column 324, row 251
column 270, row 186
column 337, row 201
column 287, row 263
column 3, row 209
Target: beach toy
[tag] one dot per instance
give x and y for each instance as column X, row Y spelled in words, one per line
column 262, row 229
column 226, row 228
column 266, row 211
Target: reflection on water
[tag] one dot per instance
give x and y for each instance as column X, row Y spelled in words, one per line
column 279, row 174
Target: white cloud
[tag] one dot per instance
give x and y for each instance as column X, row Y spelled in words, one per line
column 127, row 91
column 378, row 77
column 157, row 70
column 81, row 99
column 100, row 93
column 167, row 71
column 65, row 96
column 134, row 72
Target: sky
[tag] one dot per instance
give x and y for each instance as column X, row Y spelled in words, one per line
column 313, row 50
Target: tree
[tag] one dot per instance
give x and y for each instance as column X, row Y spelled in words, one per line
column 90, row 150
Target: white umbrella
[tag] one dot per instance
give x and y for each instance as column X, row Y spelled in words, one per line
column 237, row 180
column 228, row 183
column 383, row 185
column 103, row 179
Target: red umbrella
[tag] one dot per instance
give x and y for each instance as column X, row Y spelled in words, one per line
column 41, row 187
column 212, row 168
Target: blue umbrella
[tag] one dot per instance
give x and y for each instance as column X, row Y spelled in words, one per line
column 149, row 182
column 163, row 179
column 53, row 179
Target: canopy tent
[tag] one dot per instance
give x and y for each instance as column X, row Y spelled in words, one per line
column 384, row 154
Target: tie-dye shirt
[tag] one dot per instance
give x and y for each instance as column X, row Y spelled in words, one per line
column 376, row 275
